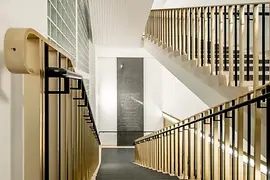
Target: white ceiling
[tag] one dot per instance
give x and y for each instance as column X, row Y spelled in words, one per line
column 119, row 23
column 159, row 4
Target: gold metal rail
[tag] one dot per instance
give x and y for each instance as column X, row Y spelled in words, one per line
column 230, row 140
column 214, row 144
column 60, row 138
column 229, row 39
column 168, row 119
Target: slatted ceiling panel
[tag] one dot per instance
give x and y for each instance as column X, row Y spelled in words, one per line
column 119, row 23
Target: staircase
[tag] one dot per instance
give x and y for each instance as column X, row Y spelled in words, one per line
column 193, row 43
column 221, row 53
column 117, row 164
column 60, row 137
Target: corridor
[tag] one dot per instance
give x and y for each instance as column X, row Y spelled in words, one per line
column 117, row 164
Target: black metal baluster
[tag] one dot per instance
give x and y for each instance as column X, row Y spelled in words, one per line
column 220, row 143
column 195, row 157
column 184, row 136
column 235, row 45
column 225, row 38
column 216, row 43
column 202, row 36
column 268, row 132
column 248, row 41
column 169, row 160
column 196, row 33
column 157, row 159
column 179, row 25
column 174, row 171
column 189, row 149
column 202, row 132
column 59, row 120
column 46, row 118
column 166, row 146
column 160, row 153
column 164, row 150
column 248, row 137
column 179, row 173
column 171, row 28
column 183, row 145
column 190, row 34
column 211, row 145
column 186, row 27
column 169, row 152
column 263, row 43
column 208, row 36
column 233, row 140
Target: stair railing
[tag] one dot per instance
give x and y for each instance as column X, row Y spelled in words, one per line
column 228, row 141
column 60, row 136
column 230, row 39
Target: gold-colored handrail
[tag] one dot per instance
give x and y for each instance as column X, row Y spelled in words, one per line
column 184, row 134
column 218, row 38
column 60, row 138
column 173, row 117
column 216, row 5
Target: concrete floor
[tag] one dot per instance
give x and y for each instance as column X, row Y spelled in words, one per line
column 117, row 164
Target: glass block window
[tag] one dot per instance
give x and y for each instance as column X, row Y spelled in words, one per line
column 62, row 25
column 69, row 28
column 83, row 35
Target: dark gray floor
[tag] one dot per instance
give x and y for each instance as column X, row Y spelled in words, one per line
column 117, row 164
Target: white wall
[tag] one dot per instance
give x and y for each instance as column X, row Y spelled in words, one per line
column 152, row 94
column 15, row 13
column 162, row 92
column 166, row 93
column 107, row 99
column 178, row 100
column 92, row 78
column 157, row 4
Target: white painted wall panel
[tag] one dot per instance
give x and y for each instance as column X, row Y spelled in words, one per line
column 178, row 100
column 108, row 139
column 24, row 14
column 106, row 96
column 158, row 4
column 152, row 94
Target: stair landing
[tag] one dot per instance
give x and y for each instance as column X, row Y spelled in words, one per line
column 117, row 164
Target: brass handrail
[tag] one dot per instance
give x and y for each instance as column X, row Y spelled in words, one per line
column 216, row 5
column 253, row 99
column 158, row 142
column 216, row 38
column 61, row 140
column 177, row 119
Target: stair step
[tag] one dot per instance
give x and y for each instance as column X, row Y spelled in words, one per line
column 245, row 61
column 246, row 68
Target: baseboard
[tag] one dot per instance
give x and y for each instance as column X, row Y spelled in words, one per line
column 98, row 166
